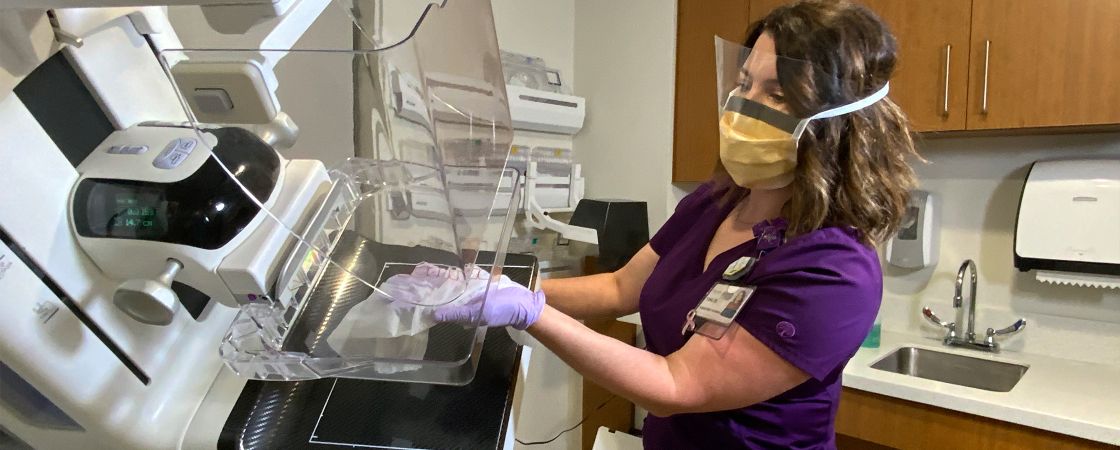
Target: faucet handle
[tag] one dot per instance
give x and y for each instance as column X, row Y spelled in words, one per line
column 1014, row 328
column 929, row 315
column 990, row 339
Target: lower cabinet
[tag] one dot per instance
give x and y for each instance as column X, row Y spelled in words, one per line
column 872, row 421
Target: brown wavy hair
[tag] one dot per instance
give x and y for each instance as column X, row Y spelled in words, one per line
column 852, row 170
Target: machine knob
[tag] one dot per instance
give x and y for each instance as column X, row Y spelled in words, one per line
column 150, row 301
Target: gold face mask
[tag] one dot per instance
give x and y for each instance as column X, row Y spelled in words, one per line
column 756, row 154
column 762, row 154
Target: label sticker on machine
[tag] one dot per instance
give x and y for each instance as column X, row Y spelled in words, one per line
column 4, row 266
column 127, row 149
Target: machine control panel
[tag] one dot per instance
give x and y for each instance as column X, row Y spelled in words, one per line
column 172, row 195
column 175, row 153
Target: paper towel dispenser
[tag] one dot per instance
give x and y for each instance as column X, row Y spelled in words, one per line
column 1068, row 226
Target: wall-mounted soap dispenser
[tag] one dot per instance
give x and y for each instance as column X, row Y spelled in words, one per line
column 915, row 246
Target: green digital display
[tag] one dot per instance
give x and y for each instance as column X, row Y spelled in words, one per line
column 134, row 213
column 131, row 212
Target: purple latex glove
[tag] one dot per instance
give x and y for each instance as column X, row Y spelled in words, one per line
column 509, row 304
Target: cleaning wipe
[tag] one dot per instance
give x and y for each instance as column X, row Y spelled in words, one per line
column 392, row 324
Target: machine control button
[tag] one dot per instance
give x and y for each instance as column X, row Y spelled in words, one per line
column 175, row 153
column 187, row 144
column 127, row 149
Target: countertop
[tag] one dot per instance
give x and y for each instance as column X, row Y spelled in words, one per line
column 1064, row 396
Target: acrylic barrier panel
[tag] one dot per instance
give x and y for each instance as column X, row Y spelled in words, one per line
column 414, row 136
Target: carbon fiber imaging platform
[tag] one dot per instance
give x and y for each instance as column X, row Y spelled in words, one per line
column 334, row 413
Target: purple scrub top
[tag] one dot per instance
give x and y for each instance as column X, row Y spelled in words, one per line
column 817, row 297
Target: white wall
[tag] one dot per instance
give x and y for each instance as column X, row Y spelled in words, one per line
column 625, row 59
column 622, row 61
column 545, row 29
column 541, row 28
column 552, row 399
column 979, row 181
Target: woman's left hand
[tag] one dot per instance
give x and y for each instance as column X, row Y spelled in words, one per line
column 508, row 304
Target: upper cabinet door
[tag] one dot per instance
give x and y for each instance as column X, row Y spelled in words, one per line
column 930, row 82
column 760, row 8
column 696, row 131
column 1044, row 63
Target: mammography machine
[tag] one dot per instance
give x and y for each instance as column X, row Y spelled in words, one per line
column 211, row 192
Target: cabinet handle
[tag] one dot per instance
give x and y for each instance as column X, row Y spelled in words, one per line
column 987, row 65
column 945, row 99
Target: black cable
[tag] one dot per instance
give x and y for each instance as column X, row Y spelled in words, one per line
column 601, row 406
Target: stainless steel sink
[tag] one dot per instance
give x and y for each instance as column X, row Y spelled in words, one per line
column 951, row 368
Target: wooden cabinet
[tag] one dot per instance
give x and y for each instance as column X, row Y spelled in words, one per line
column 867, row 420
column 695, row 128
column 930, row 82
column 1044, row 63
column 601, row 408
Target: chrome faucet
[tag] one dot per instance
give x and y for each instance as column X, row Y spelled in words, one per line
column 970, row 267
column 969, row 339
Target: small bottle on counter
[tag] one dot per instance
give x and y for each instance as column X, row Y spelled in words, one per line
column 872, row 339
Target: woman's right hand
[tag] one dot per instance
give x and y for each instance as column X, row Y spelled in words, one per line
column 505, row 303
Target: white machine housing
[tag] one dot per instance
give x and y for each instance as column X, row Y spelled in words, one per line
column 39, row 4
column 538, row 117
column 1081, row 199
column 103, row 379
column 548, row 112
column 243, row 267
column 98, row 377
column 225, row 16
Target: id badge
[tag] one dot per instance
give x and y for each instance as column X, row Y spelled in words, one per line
column 718, row 310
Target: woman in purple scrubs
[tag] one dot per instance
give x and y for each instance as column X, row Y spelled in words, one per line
column 812, row 206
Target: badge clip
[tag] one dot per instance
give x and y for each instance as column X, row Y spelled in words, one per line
column 739, row 269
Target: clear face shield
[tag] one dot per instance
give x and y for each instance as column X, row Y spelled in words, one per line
column 759, row 129
column 390, row 196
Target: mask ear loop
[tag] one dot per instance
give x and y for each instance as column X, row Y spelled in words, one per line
column 844, row 109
